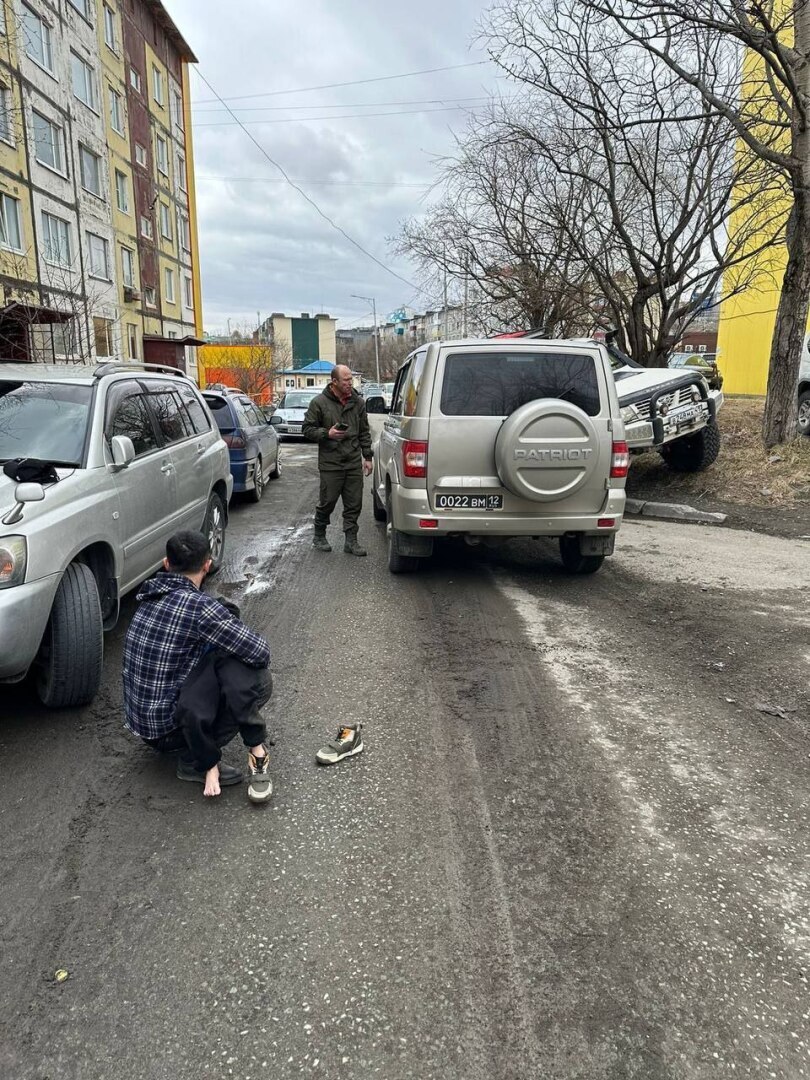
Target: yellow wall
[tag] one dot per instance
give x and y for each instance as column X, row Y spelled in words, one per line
column 213, row 357
column 196, row 281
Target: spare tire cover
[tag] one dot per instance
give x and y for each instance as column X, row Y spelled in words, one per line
column 546, row 450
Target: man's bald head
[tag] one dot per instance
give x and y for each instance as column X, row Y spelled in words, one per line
column 342, row 380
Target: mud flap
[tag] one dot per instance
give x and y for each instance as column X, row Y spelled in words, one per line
column 416, row 547
column 597, row 545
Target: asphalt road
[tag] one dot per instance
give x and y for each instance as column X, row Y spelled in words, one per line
column 576, row 845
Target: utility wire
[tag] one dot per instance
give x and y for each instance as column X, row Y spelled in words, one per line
column 339, row 116
column 331, row 86
column 344, row 105
column 303, row 193
column 325, row 183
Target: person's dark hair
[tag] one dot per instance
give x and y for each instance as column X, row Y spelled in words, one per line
column 187, row 552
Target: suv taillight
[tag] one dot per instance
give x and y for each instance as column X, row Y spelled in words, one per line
column 620, row 461
column 414, row 459
column 235, row 441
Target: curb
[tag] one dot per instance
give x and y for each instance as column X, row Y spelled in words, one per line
column 673, row 512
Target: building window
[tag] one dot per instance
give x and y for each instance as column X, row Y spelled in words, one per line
column 121, row 191
column 132, row 339
column 48, row 143
column 128, row 268
column 177, row 109
column 37, row 36
column 165, row 221
column 99, row 249
column 187, row 288
column 10, row 230
column 109, row 27
column 149, row 296
column 310, row 382
column 116, row 112
column 64, row 339
column 56, row 240
column 162, row 155
column 289, row 383
column 157, row 85
column 90, row 165
column 2, row 19
column 135, row 79
column 181, row 172
column 701, row 348
column 84, row 82
column 102, row 332
column 82, row 6
column 6, row 115
column 146, row 227
column 184, row 231
column 140, row 155
column 168, row 285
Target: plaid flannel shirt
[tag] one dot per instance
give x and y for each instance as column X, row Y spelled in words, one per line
column 174, row 626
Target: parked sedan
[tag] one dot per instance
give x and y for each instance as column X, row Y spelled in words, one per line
column 704, row 363
column 288, row 419
column 251, row 439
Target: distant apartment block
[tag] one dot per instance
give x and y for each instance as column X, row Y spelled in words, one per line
column 98, row 233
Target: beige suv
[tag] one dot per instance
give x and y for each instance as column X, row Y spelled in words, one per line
column 496, row 439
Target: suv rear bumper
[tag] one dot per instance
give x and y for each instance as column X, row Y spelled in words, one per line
column 24, row 613
column 410, row 505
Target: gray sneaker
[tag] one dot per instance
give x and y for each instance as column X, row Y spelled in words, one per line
column 260, row 786
column 320, row 543
column 348, row 742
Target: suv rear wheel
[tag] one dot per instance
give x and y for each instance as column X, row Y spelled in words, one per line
column 214, row 529
column 258, row 482
column 573, row 559
column 377, row 508
column 72, row 651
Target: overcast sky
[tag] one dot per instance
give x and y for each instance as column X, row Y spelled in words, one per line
column 263, row 248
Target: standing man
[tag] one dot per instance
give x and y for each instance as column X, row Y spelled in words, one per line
column 195, row 675
column 336, row 420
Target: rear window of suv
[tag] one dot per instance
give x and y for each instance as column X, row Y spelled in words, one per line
column 496, row 383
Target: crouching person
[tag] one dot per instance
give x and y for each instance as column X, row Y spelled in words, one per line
column 195, row 676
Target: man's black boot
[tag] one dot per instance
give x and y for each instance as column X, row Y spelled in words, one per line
column 320, row 543
column 351, row 547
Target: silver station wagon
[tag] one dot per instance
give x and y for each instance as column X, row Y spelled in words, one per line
column 489, row 440
column 98, row 467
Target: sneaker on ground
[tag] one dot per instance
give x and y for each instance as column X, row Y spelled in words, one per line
column 227, row 774
column 260, row 786
column 349, row 741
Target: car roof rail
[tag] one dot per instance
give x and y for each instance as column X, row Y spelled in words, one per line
column 113, row 367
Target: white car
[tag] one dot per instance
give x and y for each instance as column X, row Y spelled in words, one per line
column 804, row 390
column 288, row 419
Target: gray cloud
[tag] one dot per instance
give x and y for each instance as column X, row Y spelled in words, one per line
column 263, row 247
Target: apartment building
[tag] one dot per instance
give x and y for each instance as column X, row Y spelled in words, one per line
column 98, row 247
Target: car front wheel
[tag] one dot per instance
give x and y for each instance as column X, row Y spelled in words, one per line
column 804, row 413
column 693, row 453
column 72, row 651
column 214, row 529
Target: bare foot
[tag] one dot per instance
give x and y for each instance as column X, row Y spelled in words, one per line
column 212, row 781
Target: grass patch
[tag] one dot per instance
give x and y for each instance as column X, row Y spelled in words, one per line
column 745, row 472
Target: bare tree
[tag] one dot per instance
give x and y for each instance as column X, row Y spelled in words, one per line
column 761, row 87
column 360, row 356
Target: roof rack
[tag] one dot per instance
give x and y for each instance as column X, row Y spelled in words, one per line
column 113, row 367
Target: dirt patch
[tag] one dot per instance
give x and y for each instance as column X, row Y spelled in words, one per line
column 765, row 490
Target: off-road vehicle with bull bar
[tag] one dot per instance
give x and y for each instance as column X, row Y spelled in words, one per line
column 490, row 440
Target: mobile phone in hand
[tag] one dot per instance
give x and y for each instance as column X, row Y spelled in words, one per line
column 341, row 427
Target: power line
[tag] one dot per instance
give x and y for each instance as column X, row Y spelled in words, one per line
column 331, row 86
column 327, row 183
column 345, row 105
column 340, row 116
column 303, row 193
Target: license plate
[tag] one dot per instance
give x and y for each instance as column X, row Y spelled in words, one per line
column 469, row 502
column 294, row 428
column 686, row 416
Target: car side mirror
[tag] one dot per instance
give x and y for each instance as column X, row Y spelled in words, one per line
column 123, row 450
column 23, row 493
column 275, row 420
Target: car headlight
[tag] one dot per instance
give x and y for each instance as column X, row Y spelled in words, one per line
column 13, row 558
column 630, row 414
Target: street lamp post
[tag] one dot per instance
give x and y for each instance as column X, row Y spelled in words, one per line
column 373, row 302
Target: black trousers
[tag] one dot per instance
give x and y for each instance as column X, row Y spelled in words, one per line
column 220, row 698
column 346, row 484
